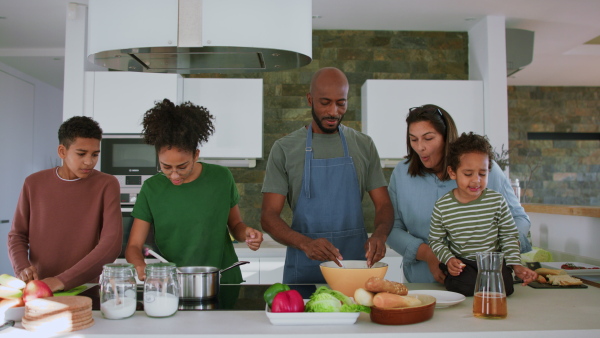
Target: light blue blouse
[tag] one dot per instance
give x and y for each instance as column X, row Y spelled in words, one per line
column 413, row 199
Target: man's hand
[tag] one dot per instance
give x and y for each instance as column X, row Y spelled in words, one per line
column 28, row 274
column 321, row 249
column 455, row 266
column 253, row 238
column 375, row 249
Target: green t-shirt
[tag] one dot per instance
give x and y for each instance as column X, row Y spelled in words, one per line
column 190, row 220
column 285, row 166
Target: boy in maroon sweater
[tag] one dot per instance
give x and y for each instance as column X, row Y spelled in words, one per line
column 68, row 220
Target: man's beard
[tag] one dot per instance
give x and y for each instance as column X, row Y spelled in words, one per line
column 320, row 124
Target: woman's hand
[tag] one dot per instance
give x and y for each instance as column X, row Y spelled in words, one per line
column 455, row 266
column 141, row 271
column 253, row 238
column 527, row 275
column 424, row 253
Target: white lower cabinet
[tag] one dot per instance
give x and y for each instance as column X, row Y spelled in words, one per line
column 394, row 272
column 271, row 270
column 250, row 272
column 263, row 270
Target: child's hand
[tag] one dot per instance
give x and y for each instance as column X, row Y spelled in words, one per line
column 525, row 274
column 253, row 238
column 455, row 266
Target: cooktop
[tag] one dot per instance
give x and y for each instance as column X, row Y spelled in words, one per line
column 237, row 297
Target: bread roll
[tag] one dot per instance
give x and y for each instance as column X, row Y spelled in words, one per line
column 392, row 300
column 564, row 280
column 547, row 272
column 376, row 284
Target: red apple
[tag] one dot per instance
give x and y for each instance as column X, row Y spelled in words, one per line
column 36, row 289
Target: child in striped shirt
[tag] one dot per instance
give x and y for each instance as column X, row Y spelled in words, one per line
column 472, row 218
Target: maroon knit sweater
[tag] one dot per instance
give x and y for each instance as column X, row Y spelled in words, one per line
column 70, row 228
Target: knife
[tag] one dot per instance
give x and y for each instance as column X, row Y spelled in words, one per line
column 7, row 324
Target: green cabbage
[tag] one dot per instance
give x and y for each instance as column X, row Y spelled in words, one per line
column 328, row 300
column 536, row 255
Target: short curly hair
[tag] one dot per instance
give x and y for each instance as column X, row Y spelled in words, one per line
column 184, row 126
column 469, row 143
column 78, row 126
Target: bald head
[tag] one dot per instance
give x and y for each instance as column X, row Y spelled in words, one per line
column 328, row 98
column 328, row 76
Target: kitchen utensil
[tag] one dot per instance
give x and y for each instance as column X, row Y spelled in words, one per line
column 201, row 282
column 352, row 276
column 160, row 258
column 7, row 324
column 489, row 300
column 407, row 315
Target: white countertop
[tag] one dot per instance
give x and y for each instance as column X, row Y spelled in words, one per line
column 532, row 312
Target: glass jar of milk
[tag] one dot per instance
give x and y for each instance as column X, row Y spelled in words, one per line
column 161, row 290
column 118, row 296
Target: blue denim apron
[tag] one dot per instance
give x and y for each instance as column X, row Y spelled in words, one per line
column 329, row 206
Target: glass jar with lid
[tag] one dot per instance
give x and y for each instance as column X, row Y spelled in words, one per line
column 161, row 290
column 118, row 296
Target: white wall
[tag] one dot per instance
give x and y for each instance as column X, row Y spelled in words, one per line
column 42, row 118
column 569, row 238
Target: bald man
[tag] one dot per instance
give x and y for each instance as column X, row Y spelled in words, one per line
column 323, row 170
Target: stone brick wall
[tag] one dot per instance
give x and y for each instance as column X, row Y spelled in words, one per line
column 361, row 55
column 552, row 171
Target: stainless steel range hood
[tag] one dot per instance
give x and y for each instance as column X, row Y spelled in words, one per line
column 200, row 36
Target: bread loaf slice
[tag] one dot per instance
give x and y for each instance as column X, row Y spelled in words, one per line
column 547, row 272
column 564, row 280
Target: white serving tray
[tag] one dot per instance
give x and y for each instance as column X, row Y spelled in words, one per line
column 311, row 318
column 576, row 272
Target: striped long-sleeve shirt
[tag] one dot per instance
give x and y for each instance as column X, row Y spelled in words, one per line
column 482, row 225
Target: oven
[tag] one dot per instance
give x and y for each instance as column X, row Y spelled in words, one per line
column 126, row 210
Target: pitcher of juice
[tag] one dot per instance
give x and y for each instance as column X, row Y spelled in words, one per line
column 489, row 299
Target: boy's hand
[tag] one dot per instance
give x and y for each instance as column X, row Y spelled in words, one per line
column 455, row 266
column 253, row 238
column 525, row 274
column 28, row 274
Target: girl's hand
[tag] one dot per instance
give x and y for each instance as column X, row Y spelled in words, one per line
column 455, row 266
column 253, row 238
column 525, row 274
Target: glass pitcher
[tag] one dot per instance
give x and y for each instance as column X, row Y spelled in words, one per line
column 118, row 296
column 489, row 299
column 161, row 290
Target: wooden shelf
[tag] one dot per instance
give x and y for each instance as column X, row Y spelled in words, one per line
column 570, row 210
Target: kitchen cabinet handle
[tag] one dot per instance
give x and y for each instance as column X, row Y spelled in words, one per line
column 4, row 221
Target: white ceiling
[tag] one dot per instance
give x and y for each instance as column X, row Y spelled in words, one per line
column 32, row 32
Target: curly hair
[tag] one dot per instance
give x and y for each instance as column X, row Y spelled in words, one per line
column 184, row 126
column 78, row 126
column 469, row 143
column 443, row 123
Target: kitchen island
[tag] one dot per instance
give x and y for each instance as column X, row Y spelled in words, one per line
column 531, row 313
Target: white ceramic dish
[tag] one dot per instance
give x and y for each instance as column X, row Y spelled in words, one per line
column 311, row 318
column 443, row 298
column 576, row 272
column 15, row 313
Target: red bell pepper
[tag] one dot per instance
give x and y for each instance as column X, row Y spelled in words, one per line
column 288, row 301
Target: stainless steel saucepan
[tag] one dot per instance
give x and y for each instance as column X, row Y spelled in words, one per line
column 198, row 283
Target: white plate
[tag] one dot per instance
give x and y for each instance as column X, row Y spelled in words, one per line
column 443, row 298
column 580, row 272
column 311, row 318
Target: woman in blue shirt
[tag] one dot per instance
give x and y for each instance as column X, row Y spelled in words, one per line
column 419, row 181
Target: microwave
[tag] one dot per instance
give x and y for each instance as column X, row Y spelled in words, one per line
column 130, row 160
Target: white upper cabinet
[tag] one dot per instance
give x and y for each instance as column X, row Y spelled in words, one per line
column 118, row 100
column 385, row 105
column 237, row 106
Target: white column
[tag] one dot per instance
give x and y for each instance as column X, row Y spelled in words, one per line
column 487, row 62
